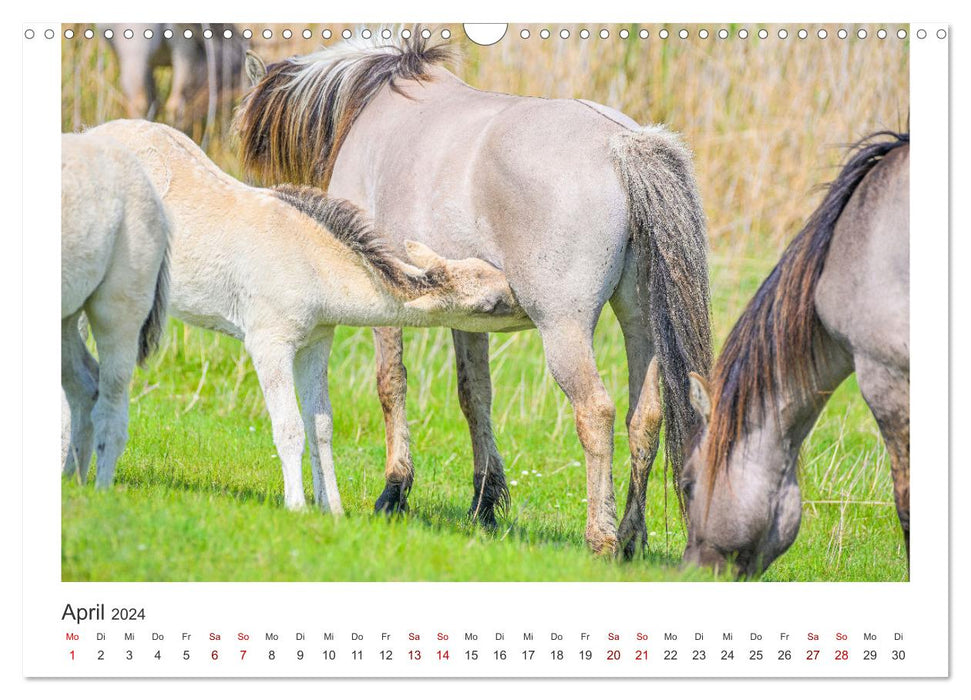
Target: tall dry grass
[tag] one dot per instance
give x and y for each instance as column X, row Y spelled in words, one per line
column 764, row 117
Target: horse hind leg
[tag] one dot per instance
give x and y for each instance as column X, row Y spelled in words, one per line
column 569, row 354
column 79, row 379
column 644, row 417
column 887, row 393
column 489, row 490
column 392, row 381
column 117, row 341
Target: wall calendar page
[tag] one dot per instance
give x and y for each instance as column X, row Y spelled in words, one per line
column 446, row 350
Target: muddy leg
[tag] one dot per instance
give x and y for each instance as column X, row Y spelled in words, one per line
column 399, row 473
column 475, row 398
column 569, row 353
column 887, row 393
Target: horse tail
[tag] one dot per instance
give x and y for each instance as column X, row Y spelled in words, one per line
column 151, row 333
column 670, row 242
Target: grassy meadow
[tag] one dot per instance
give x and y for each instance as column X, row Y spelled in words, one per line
column 198, row 493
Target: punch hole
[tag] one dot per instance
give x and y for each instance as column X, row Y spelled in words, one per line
column 347, row 34
column 385, row 33
column 109, row 34
column 327, row 34
column 861, row 34
column 663, row 33
column 763, row 34
column 447, row 34
column 783, row 34
column 624, row 33
column 584, row 34
column 49, row 33
column 941, row 34
column 207, row 33
column 187, row 34
column 643, row 34
column 564, row 33
column 921, row 33
column 89, row 34
column 524, row 34
column 267, row 34
column 287, row 33
column 168, row 34
column 148, row 33
column 882, row 34
column 366, row 33
column 604, row 34
column 703, row 33
column 306, row 34
column 426, row 34
column 802, row 34
column 822, row 34
column 228, row 34
column 901, row 33
column 68, row 33
column 841, row 34
column 29, row 34
column 683, row 34
column 722, row 33
column 406, row 33
column 743, row 33
column 247, row 33
column 544, row 34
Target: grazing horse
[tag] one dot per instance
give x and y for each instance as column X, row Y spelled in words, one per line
column 204, row 71
column 280, row 268
column 114, row 269
column 837, row 302
column 574, row 201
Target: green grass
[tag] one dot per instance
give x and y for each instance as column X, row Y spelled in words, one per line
column 198, row 494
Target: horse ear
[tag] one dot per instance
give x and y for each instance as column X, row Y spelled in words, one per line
column 423, row 256
column 255, row 69
column 698, row 395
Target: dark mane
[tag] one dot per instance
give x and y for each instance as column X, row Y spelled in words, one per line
column 349, row 225
column 777, row 334
column 292, row 124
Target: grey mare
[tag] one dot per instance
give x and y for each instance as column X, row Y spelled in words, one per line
column 574, row 201
column 837, row 302
column 204, row 71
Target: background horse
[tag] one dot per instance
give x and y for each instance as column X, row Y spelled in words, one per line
column 837, row 302
column 279, row 268
column 114, row 242
column 573, row 200
column 205, row 72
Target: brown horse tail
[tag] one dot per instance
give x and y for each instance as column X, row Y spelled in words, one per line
column 151, row 333
column 670, row 241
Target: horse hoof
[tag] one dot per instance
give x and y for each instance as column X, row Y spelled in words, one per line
column 392, row 501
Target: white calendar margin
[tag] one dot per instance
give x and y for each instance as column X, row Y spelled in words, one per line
column 918, row 608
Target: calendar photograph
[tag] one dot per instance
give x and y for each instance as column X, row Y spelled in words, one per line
column 372, row 303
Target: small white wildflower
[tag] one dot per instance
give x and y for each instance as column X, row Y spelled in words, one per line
column 652, row 534
column 142, row 548
column 513, row 483
column 525, row 473
column 583, row 500
column 252, row 429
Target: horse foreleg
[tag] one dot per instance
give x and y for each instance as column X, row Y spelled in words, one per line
column 569, row 354
column 399, row 473
column 310, row 370
column 475, row 398
column 274, row 368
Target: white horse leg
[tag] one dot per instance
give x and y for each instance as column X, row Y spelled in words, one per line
column 274, row 362
column 310, row 370
column 79, row 381
column 569, row 354
column 117, row 340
